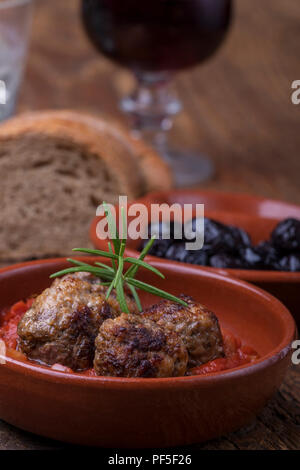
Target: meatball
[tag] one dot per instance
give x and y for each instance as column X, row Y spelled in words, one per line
column 133, row 346
column 197, row 326
column 63, row 322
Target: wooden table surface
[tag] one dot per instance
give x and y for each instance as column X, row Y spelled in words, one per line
column 238, row 110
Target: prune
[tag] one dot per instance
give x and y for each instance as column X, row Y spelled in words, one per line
column 159, row 247
column 176, row 252
column 251, row 257
column 240, row 236
column 217, row 236
column 199, row 257
column 214, row 233
column 269, row 254
column 224, row 260
column 286, row 235
column 233, row 239
column 290, row 262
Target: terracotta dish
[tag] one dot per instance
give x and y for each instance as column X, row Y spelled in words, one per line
column 258, row 216
column 119, row 412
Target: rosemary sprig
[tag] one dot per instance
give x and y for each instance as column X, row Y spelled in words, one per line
column 114, row 276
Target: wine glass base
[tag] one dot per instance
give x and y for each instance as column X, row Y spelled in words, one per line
column 188, row 168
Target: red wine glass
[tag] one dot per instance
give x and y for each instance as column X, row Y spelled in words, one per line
column 156, row 39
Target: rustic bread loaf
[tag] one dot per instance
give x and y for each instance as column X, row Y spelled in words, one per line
column 56, row 167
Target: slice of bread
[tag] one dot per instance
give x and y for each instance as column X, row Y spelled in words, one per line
column 56, row 167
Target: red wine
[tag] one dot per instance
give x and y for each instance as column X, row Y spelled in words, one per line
column 156, row 35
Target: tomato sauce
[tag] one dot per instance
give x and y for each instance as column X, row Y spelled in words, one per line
column 236, row 354
column 10, row 321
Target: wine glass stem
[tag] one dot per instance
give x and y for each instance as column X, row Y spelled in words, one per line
column 152, row 106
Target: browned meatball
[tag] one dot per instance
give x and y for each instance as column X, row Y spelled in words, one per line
column 63, row 322
column 132, row 346
column 197, row 326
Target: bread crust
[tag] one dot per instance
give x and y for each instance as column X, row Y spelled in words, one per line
column 37, row 224
column 138, row 168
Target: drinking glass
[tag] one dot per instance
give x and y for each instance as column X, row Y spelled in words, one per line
column 15, row 21
column 155, row 39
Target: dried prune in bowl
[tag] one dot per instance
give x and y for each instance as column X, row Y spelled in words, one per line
column 176, row 252
column 226, row 238
column 251, row 257
column 225, row 260
column 199, row 257
column 270, row 255
column 290, row 262
column 286, row 235
column 159, row 247
column 240, row 236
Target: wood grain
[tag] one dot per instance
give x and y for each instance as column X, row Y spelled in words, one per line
column 237, row 109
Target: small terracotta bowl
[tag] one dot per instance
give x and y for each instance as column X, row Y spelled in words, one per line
column 119, row 412
column 258, row 216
